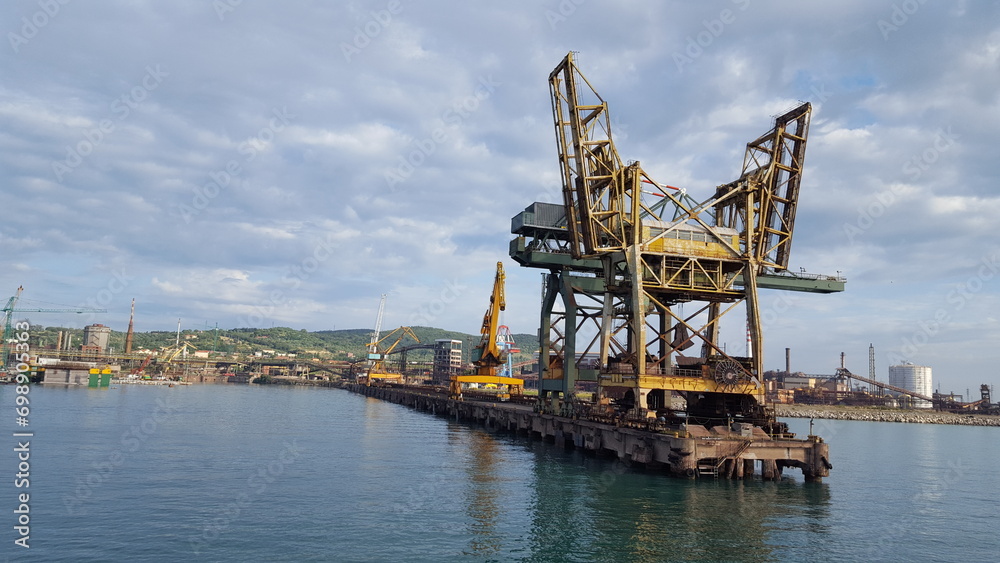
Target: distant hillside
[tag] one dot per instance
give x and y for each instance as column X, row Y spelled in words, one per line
column 323, row 344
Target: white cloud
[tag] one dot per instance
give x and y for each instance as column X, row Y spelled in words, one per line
column 308, row 212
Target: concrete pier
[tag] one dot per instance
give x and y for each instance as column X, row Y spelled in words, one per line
column 730, row 453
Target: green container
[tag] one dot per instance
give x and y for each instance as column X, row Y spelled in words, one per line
column 97, row 380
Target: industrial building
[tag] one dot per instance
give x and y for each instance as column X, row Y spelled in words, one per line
column 96, row 338
column 913, row 378
column 447, row 358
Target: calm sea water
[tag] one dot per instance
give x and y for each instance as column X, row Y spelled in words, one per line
column 237, row 473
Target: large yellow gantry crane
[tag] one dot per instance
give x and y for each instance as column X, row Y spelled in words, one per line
column 627, row 254
column 489, row 356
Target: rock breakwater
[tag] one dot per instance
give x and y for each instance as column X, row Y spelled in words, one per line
column 884, row 415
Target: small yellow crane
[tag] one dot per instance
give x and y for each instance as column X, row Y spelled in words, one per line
column 377, row 373
column 489, row 355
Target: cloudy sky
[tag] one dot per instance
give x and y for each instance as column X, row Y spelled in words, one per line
column 284, row 164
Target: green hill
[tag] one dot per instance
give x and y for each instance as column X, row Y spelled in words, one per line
column 323, row 344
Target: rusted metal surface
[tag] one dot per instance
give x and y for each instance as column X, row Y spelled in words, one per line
column 694, row 452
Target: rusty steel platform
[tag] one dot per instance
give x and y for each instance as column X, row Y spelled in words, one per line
column 738, row 452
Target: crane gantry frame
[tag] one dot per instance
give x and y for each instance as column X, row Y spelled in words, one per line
column 377, row 371
column 624, row 256
column 490, row 355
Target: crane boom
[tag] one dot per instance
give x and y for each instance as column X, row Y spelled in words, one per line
column 378, row 326
column 377, row 357
column 488, row 356
column 11, row 308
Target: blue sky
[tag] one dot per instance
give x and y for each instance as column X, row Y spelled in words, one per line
column 286, row 163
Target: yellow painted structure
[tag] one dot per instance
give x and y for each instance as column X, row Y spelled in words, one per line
column 692, row 240
column 515, row 385
column 488, row 356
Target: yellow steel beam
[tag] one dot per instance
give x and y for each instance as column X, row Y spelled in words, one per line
column 679, row 383
column 496, row 379
column 384, row 376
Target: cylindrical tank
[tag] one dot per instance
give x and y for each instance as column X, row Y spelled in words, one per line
column 913, row 378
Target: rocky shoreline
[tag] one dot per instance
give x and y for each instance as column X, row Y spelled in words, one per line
column 837, row 412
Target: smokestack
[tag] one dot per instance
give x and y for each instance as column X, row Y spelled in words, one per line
column 129, row 334
column 749, row 343
column 842, row 364
column 788, row 361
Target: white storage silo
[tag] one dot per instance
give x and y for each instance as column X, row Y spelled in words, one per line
column 913, row 378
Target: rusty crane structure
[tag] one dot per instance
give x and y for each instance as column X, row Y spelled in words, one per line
column 639, row 272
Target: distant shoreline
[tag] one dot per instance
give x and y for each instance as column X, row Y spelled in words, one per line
column 839, row 412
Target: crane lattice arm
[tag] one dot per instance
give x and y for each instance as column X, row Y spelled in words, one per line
column 763, row 201
column 593, row 176
column 379, row 355
column 488, row 355
column 372, row 346
column 11, row 308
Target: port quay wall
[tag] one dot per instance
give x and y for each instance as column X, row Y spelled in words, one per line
column 677, row 453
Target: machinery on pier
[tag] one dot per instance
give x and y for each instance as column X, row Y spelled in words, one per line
column 378, row 371
column 490, row 355
column 372, row 345
column 505, row 340
column 12, row 307
column 640, row 272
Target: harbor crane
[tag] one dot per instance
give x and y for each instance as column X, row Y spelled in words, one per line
column 377, row 372
column 639, row 271
column 11, row 308
column 490, row 354
column 372, row 345
column 505, row 340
